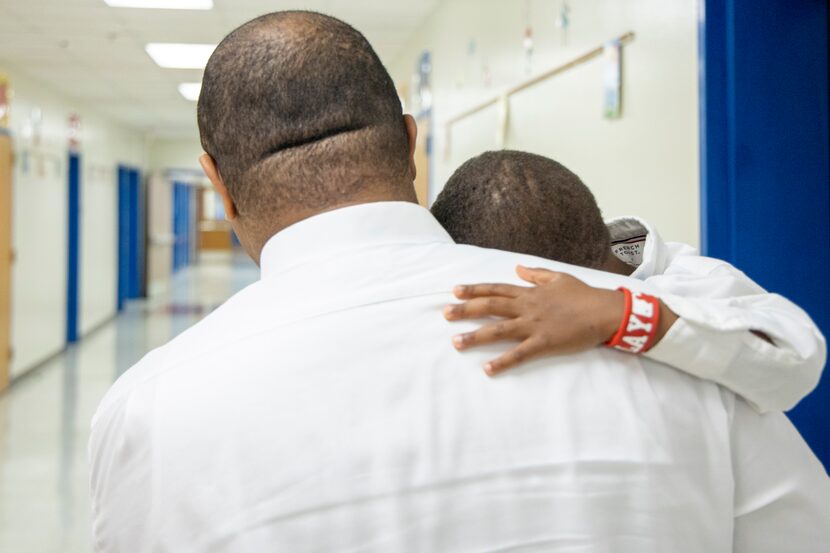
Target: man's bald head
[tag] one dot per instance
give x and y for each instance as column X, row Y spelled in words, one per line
column 298, row 112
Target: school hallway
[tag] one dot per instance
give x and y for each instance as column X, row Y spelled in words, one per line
column 45, row 416
column 127, row 191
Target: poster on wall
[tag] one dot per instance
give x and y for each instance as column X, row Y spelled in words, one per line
column 527, row 38
column 563, row 21
column 421, row 100
column 5, row 101
column 74, row 132
column 612, row 79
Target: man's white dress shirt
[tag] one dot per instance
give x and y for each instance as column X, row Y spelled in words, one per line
column 324, row 408
column 718, row 305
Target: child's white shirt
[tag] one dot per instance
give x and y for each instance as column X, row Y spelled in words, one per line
column 718, row 306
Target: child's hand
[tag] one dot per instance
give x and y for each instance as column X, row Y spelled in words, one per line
column 559, row 315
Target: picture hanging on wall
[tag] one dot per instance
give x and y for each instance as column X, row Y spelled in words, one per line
column 5, row 100
column 612, row 79
column 421, row 100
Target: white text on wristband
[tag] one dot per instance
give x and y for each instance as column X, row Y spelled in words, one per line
column 639, row 324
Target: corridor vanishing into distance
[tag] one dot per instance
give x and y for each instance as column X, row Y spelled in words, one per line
column 44, row 418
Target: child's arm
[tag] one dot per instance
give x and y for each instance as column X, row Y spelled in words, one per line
column 759, row 345
column 558, row 316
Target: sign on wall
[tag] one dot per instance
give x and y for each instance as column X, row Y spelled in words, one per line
column 74, row 132
column 5, row 101
column 421, row 100
column 612, row 79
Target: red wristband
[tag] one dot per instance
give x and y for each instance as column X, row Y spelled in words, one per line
column 639, row 323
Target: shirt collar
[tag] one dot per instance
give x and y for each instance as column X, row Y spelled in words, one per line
column 349, row 228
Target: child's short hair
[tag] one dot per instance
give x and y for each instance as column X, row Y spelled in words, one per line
column 525, row 203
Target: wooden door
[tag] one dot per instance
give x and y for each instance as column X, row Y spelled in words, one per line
column 214, row 234
column 5, row 256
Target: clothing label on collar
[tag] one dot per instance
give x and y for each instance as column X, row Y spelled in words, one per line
column 628, row 239
column 630, row 250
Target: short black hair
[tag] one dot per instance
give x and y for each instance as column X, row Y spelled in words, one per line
column 524, row 203
column 296, row 108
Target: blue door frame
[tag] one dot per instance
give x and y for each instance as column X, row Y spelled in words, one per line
column 73, row 247
column 130, row 235
column 765, row 169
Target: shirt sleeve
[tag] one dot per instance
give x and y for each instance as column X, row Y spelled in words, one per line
column 782, row 492
column 120, row 483
column 718, row 306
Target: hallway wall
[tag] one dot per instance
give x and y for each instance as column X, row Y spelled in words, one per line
column 40, row 216
column 105, row 147
column 175, row 153
column 645, row 163
column 169, row 158
column 160, row 233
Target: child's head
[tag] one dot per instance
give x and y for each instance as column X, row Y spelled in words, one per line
column 524, row 203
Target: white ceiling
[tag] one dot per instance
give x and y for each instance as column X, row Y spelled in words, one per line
column 94, row 53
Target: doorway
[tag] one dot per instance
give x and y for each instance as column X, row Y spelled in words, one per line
column 182, row 225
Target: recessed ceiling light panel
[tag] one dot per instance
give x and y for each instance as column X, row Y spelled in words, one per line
column 180, row 56
column 190, row 91
column 162, row 4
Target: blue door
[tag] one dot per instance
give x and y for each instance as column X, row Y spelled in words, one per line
column 182, row 225
column 136, row 275
column 765, row 166
column 123, row 236
column 130, row 235
column 73, row 247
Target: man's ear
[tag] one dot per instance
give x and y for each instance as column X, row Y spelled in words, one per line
column 212, row 172
column 412, row 135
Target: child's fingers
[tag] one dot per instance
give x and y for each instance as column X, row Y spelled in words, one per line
column 496, row 332
column 534, row 275
column 479, row 308
column 470, row 291
column 522, row 353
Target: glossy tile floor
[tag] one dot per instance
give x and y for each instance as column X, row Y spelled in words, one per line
column 44, row 417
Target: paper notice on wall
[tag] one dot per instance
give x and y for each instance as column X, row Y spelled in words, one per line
column 5, row 101
column 74, row 132
column 612, row 79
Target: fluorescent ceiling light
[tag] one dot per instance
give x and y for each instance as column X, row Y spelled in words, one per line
column 190, row 91
column 180, row 56
column 162, row 4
